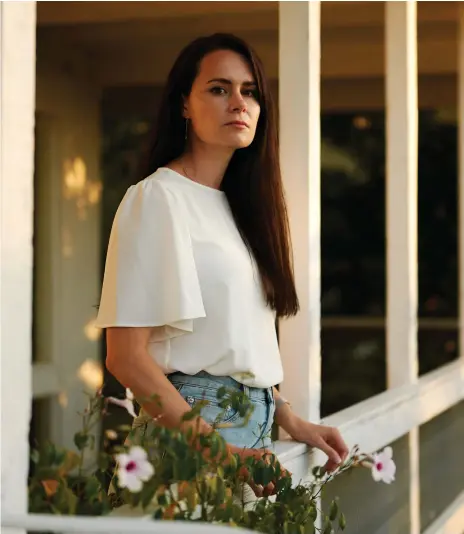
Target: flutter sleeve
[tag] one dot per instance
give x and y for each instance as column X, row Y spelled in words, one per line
column 150, row 274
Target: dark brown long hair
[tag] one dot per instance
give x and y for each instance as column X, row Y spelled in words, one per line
column 252, row 182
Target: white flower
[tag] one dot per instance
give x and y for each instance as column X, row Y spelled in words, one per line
column 127, row 403
column 134, row 469
column 384, row 468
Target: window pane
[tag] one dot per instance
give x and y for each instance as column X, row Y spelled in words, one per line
column 353, row 251
column 353, row 364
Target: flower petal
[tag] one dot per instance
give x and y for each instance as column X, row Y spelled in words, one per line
column 376, row 475
column 138, row 454
column 122, row 459
column 388, row 452
column 122, row 478
column 145, row 471
column 133, row 483
column 127, row 404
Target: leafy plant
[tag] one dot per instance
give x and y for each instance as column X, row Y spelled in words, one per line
column 172, row 475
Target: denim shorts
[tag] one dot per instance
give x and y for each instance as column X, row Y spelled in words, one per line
column 203, row 386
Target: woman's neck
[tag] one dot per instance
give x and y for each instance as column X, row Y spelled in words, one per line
column 204, row 165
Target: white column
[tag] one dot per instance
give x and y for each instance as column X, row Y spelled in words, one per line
column 401, row 209
column 17, row 64
column 299, row 106
column 461, row 180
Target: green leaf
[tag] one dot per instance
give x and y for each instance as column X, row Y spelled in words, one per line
column 60, row 457
column 46, row 473
column 267, row 475
column 35, row 456
column 48, row 454
column 162, row 500
column 103, row 461
column 214, row 446
column 81, row 439
column 92, row 488
column 342, row 521
column 283, row 483
column 70, row 461
column 221, row 392
column 242, row 410
column 188, row 416
column 220, row 491
column 313, row 513
column 65, row 500
column 333, row 513
column 148, row 492
column 308, row 528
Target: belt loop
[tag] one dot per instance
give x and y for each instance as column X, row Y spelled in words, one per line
column 270, row 392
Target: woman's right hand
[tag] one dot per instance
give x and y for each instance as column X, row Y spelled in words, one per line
column 267, row 456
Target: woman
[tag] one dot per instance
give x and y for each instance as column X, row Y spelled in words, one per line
column 199, row 260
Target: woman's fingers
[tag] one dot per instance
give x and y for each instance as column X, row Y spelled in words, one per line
column 269, row 490
column 339, row 444
column 258, row 489
column 333, row 455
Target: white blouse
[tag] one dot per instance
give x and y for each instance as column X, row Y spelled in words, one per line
column 177, row 261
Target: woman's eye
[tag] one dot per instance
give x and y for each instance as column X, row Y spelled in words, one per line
column 253, row 93
column 218, row 90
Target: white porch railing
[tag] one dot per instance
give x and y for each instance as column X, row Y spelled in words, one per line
column 113, row 525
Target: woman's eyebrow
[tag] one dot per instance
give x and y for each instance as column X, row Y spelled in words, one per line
column 229, row 82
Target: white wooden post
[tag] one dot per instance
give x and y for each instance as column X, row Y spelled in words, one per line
column 401, row 191
column 461, row 181
column 17, row 64
column 299, row 106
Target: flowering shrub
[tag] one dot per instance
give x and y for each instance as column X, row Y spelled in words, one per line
column 162, row 474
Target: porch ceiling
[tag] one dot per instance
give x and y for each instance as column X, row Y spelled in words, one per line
column 135, row 43
column 336, row 14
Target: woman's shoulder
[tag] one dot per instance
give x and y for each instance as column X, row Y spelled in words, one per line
column 158, row 187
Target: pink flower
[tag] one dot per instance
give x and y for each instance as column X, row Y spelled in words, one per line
column 127, row 403
column 134, row 469
column 383, row 468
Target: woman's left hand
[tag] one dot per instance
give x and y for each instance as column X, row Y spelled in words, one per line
column 326, row 438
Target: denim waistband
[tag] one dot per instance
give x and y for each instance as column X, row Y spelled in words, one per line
column 206, row 380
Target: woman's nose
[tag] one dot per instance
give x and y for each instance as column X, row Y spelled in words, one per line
column 237, row 103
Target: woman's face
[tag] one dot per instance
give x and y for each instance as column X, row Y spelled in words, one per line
column 222, row 107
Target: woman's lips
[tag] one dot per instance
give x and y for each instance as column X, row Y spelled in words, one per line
column 238, row 124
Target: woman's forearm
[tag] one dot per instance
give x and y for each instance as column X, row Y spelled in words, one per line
column 155, row 393
column 285, row 417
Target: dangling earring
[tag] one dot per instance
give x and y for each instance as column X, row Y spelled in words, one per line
column 186, row 128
